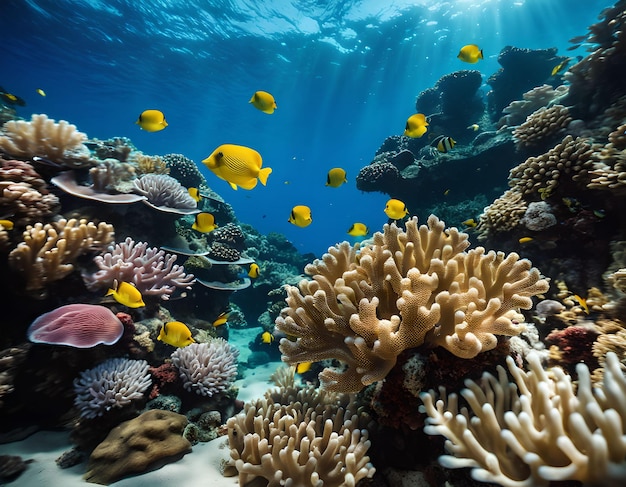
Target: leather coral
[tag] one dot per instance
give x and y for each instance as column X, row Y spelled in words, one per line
column 365, row 305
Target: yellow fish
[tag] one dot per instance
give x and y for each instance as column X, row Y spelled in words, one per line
column 358, row 230
column 127, row 294
column 176, row 334
column 474, row 127
column 336, row 177
column 524, row 240
column 416, row 125
column 238, row 165
column 395, row 209
column 470, row 53
column 300, row 216
column 303, row 367
column 267, row 337
column 470, row 223
column 264, row 102
column 205, row 222
column 41, row 92
column 195, row 194
column 559, row 67
column 151, row 120
column 253, row 273
column 582, row 302
column 7, row 224
column 221, row 319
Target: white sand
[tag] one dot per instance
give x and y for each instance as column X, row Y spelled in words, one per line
column 200, row 467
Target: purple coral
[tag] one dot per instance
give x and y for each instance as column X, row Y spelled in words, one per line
column 152, row 271
column 207, row 368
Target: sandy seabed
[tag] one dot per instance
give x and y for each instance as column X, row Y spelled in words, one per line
column 198, row 468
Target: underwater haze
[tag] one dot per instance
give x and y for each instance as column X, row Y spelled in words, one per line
column 345, row 75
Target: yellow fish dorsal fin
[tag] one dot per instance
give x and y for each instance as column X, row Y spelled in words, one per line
column 232, row 185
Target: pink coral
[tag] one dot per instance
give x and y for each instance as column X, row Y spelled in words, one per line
column 77, row 325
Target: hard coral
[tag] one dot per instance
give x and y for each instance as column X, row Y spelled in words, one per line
column 542, row 127
column 376, row 176
column 365, row 305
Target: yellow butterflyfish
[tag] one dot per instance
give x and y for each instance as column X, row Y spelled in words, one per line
column 358, row 230
column 416, row 126
column 221, row 319
column 470, row 53
column 582, row 302
column 238, row 165
column 267, row 337
column 127, row 294
column 205, row 222
column 336, row 177
column 41, row 92
column 264, row 102
column 300, row 216
column 176, row 334
column 253, row 273
column 7, row 224
column 395, row 209
column 151, row 120
column 303, row 367
column 524, row 240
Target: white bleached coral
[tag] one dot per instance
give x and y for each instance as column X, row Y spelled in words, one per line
column 538, row 429
column 365, row 305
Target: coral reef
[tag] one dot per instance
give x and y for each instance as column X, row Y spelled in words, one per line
column 114, row 383
column 152, row 271
column 77, row 325
column 207, row 368
column 165, row 193
column 299, row 437
column 365, row 305
column 136, row 445
column 515, row 113
column 48, row 252
column 536, row 430
column 43, row 137
column 542, row 127
column 184, row 170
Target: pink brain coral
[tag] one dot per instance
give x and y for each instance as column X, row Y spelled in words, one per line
column 77, row 325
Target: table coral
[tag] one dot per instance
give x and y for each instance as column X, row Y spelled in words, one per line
column 48, row 252
column 365, row 305
column 536, row 429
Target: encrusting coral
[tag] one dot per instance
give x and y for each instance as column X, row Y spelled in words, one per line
column 60, row 142
column 538, row 429
column 365, row 305
column 48, row 252
column 299, row 437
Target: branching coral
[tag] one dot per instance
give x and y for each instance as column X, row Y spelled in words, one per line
column 49, row 251
column 366, row 305
column 151, row 270
column 536, row 430
column 300, row 438
column 60, row 142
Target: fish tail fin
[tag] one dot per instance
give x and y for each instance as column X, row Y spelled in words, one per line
column 264, row 174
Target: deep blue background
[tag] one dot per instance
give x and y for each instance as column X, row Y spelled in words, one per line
column 345, row 75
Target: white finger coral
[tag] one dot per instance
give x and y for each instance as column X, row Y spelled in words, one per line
column 365, row 305
column 536, row 430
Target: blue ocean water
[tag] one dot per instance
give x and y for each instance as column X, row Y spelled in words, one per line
column 345, row 76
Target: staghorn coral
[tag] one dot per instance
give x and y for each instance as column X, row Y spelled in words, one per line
column 365, row 305
column 542, row 126
column 299, row 437
column 207, row 368
column 48, row 252
column 43, row 137
column 536, row 430
column 114, row 383
column 151, row 270
column 570, row 160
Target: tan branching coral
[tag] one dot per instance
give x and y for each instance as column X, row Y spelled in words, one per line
column 60, row 142
column 149, row 164
column 536, row 430
column 540, row 96
column 365, row 305
column 609, row 172
column 299, row 437
column 570, row 160
column 542, row 126
column 48, row 252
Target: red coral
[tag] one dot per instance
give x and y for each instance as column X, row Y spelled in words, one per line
column 164, row 377
column 575, row 344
